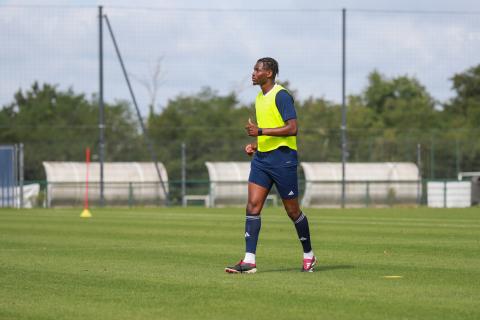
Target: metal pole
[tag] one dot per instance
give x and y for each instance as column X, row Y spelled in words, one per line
column 445, row 193
column 432, row 158
column 419, row 165
column 101, row 120
column 20, row 172
column 457, row 156
column 367, row 197
column 344, row 112
column 130, row 195
column 2, row 188
column 14, row 182
column 184, row 174
column 140, row 118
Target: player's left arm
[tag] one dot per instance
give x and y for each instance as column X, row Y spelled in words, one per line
column 289, row 129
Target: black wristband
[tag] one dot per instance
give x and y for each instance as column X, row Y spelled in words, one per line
column 260, row 131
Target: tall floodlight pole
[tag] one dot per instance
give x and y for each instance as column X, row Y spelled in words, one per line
column 419, row 178
column 139, row 115
column 101, row 120
column 184, row 173
column 21, row 172
column 344, row 111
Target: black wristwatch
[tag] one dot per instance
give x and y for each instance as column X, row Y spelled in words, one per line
column 260, row 131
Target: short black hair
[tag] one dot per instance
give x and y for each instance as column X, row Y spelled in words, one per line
column 270, row 64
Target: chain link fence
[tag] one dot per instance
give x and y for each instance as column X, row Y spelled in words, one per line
column 174, row 52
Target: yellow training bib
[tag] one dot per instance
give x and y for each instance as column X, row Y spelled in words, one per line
column 268, row 116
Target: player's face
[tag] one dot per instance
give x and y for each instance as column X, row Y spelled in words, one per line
column 260, row 75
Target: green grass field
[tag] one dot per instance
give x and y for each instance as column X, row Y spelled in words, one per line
column 168, row 264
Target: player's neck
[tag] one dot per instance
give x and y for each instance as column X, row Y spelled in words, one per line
column 266, row 87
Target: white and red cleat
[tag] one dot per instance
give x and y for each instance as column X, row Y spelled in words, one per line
column 309, row 264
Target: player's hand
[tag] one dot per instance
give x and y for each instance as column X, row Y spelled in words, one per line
column 250, row 148
column 252, row 129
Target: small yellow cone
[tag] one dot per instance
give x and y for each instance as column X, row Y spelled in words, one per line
column 85, row 214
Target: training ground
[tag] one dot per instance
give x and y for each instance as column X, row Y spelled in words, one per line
column 168, row 263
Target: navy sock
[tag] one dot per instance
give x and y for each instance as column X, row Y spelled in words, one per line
column 253, row 223
column 301, row 224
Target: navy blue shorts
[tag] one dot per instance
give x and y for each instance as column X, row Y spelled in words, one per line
column 284, row 178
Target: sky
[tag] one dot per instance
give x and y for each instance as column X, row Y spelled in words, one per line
column 216, row 43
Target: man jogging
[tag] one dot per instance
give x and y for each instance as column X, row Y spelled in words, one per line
column 274, row 162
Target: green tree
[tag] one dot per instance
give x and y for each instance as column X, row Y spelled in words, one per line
column 465, row 106
column 211, row 126
column 318, row 130
column 461, row 117
column 56, row 125
column 404, row 116
column 400, row 102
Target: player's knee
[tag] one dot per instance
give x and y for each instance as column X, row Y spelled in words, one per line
column 293, row 212
column 254, row 207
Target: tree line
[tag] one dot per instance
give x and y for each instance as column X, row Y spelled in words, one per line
column 392, row 119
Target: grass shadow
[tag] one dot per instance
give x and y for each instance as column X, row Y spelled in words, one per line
column 317, row 269
column 334, row 267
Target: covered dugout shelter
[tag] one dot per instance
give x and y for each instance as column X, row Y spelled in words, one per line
column 376, row 184
column 229, row 183
column 125, row 183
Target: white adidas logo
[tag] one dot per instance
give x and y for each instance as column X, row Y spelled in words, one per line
column 247, row 235
column 291, row 193
column 303, row 239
